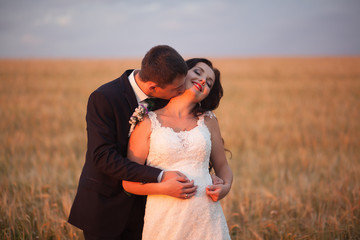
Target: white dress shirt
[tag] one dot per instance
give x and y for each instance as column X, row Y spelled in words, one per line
column 140, row 95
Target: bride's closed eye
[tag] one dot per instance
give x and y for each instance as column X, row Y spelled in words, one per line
column 209, row 82
column 197, row 72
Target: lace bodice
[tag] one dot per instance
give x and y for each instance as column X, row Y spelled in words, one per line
column 172, row 218
column 168, row 152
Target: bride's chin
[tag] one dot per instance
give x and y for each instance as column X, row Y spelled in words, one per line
column 190, row 92
column 187, row 96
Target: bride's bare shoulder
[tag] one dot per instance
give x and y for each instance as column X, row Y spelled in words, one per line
column 210, row 120
column 143, row 127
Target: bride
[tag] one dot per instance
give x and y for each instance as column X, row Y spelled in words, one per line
column 184, row 136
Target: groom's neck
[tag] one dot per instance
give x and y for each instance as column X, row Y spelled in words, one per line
column 140, row 83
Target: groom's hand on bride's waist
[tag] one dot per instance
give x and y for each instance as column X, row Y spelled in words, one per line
column 176, row 184
column 174, row 174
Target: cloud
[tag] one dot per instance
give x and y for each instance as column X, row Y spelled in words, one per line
column 171, row 25
column 55, row 19
column 204, row 27
column 191, row 8
column 151, row 7
column 63, row 20
column 29, row 39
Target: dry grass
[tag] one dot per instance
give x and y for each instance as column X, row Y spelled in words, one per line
column 292, row 126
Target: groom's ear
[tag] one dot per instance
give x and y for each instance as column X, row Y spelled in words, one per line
column 151, row 86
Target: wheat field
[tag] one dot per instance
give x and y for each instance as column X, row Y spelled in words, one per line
column 292, row 126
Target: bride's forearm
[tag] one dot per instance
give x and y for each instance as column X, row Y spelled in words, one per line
column 225, row 174
column 143, row 189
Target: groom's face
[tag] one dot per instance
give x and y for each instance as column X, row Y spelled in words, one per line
column 174, row 89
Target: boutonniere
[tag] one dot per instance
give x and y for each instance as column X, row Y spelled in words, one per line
column 137, row 116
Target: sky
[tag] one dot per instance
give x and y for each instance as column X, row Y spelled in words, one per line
column 206, row 28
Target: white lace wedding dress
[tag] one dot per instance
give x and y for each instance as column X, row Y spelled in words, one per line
column 169, row 218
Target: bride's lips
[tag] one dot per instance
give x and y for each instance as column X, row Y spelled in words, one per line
column 198, row 86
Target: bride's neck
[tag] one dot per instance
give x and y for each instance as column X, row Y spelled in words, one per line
column 180, row 107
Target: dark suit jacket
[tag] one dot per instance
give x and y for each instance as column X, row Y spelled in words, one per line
column 101, row 206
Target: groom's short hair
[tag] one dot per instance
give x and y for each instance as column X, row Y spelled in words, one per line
column 161, row 65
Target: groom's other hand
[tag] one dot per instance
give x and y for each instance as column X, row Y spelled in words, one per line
column 178, row 185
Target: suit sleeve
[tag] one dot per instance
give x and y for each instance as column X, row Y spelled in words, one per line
column 104, row 147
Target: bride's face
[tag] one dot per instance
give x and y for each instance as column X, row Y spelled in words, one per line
column 199, row 80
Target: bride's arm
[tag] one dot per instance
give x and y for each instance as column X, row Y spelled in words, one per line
column 138, row 150
column 219, row 161
column 173, row 183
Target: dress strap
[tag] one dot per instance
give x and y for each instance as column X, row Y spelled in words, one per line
column 154, row 121
column 209, row 114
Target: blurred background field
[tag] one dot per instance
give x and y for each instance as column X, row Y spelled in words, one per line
column 292, row 125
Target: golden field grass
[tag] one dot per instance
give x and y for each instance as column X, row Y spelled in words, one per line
column 292, row 125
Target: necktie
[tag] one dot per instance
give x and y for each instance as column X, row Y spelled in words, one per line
column 155, row 103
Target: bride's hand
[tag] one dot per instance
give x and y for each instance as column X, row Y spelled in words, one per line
column 217, row 192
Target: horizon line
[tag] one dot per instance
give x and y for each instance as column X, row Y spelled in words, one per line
column 279, row 56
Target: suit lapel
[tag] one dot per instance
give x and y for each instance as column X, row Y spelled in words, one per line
column 128, row 92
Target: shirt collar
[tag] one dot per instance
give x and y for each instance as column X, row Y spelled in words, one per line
column 140, row 95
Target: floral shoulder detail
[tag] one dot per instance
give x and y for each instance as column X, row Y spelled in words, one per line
column 137, row 116
column 210, row 114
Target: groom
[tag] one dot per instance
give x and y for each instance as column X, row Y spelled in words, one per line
column 102, row 209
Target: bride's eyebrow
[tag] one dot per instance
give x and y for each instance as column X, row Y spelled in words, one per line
column 209, row 78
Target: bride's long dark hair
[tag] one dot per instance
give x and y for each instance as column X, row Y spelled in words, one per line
column 211, row 102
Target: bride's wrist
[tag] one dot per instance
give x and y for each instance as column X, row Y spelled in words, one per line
column 226, row 188
column 227, row 185
column 161, row 187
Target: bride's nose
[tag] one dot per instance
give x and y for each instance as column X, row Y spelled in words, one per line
column 202, row 82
